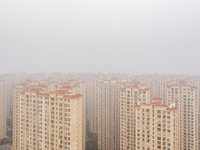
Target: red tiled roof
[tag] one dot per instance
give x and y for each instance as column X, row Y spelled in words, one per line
column 114, row 78
column 66, row 87
column 157, row 98
column 41, row 85
column 162, row 105
column 73, row 96
column 175, row 108
column 194, row 87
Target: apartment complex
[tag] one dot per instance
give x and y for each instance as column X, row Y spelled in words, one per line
column 51, row 121
column 156, row 127
column 49, row 83
column 104, row 108
column 3, row 115
column 108, row 114
column 11, row 79
column 129, row 97
column 103, row 112
column 92, row 104
column 16, row 110
column 194, row 82
column 33, row 76
column 33, row 94
column 186, row 98
column 121, row 111
column 157, row 86
column 115, row 113
column 199, row 129
column 75, row 86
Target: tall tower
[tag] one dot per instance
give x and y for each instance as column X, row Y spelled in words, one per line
column 16, row 111
column 93, row 104
column 199, row 129
column 129, row 97
column 104, row 112
column 156, row 127
column 3, row 98
column 50, row 120
column 75, row 86
column 186, row 97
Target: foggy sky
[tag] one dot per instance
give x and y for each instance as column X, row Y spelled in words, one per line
column 134, row 36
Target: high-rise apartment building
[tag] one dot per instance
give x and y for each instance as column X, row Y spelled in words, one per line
column 3, row 115
column 92, row 104
column 56, row 77
column 103, row 114
column 51, row 121
column 11, row 79
column 195, row 83
column 157, row 86
column 45, row 113
column 16, row 110
column 149, row 83
column 186, row 98
column 104, row 108
column 199, row 129
column 115, row 113
column 129, row 97
column 156, row 127
column 32, row 117
column 75, row 86
column 34, row 76
column 49, row 83
column 103, row 111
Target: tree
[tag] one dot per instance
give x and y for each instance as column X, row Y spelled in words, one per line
column 10, row 133
column 9, row 123
column 91, row 141
column 6, row 141
column 9, row 127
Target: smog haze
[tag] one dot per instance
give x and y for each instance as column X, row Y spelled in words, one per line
column 100, row 36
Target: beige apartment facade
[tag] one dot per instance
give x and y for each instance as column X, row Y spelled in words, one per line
column 103, row 115
column 93, row 105
column 104, row 108
column 103, row 111
column 157, row 86
column 156, row 127
column 49, row 83
column 8, row 89
column 51, row 121
column 16, row 110
column 75, row 86
column 3, row 104
column 186, row 98
column 195, row 83
column 199, row 129
column 16, row 114
column 115, row 85
column 129, row 97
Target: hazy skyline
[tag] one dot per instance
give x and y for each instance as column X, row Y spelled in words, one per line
column 100, row 36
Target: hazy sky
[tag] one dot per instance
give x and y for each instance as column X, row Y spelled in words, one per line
column 134, row 36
